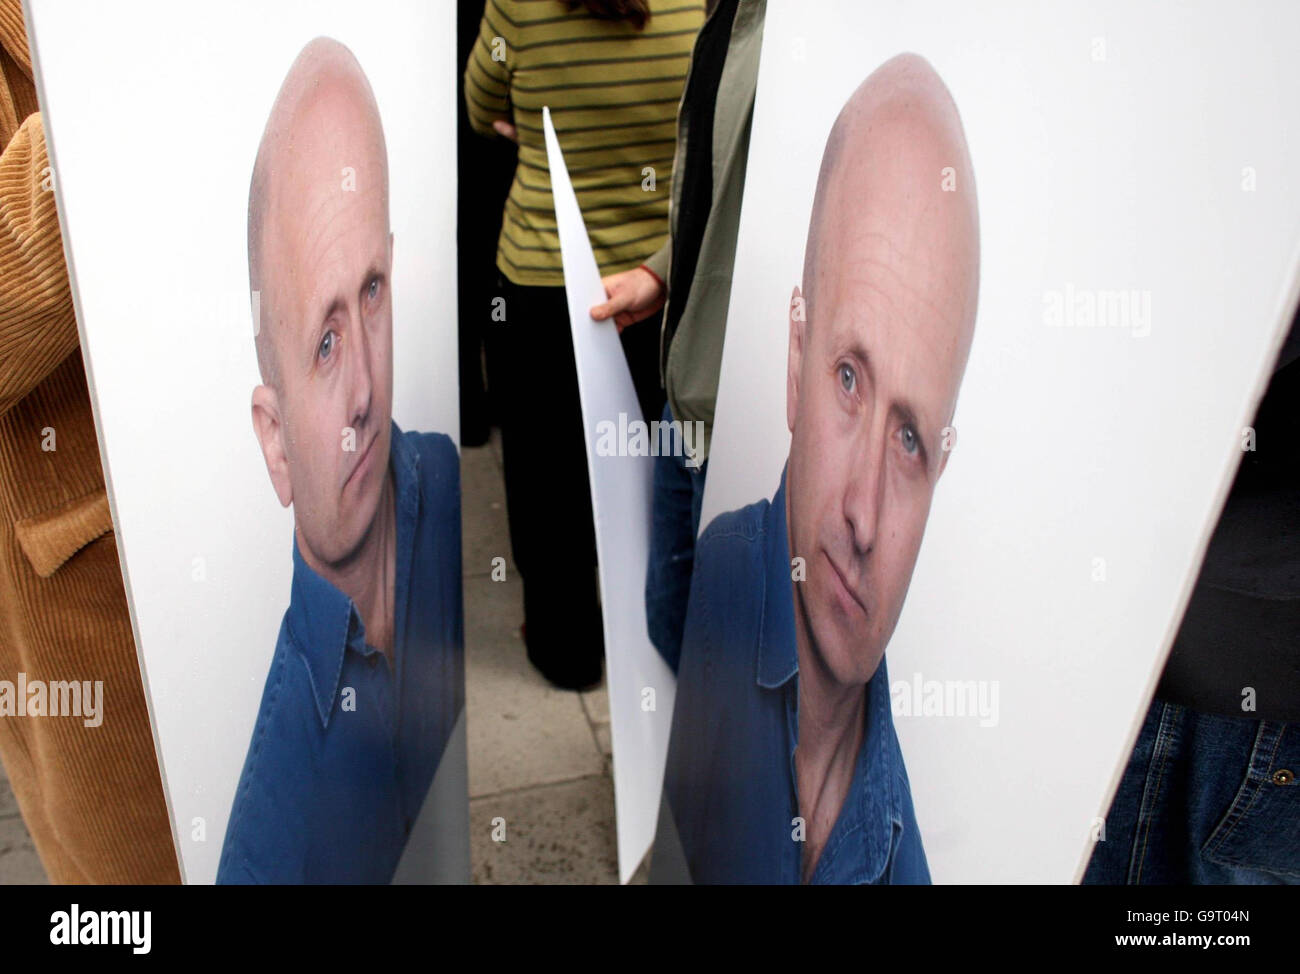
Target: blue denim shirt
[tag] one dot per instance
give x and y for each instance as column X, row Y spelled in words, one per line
column 328, row 793
column 730, row 779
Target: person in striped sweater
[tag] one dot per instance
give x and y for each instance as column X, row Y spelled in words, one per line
column 612, row 73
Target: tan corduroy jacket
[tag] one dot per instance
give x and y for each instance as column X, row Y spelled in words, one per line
column 90, row 796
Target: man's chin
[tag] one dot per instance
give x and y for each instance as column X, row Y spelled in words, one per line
column 360, row 528
column 847, row 660
column 338, row 546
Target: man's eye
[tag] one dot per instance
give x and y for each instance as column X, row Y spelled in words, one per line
column 326, row 346
column 374, row 288
column 911, row 442
column 848, row 378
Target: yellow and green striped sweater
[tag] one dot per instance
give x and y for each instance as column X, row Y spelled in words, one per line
column 613, row 92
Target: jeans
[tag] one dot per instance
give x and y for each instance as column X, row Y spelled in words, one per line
column 1204, row 799
column 678, row 494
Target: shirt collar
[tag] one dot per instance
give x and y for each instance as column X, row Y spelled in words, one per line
column 323, row 620
column 778, row 660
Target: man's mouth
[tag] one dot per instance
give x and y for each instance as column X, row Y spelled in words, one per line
column 848, row 596
column 363, row 461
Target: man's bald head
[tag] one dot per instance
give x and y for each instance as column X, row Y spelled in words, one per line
column 896, row 164
column 324, row 121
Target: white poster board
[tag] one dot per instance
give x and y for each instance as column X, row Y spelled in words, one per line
column 154, row 111
column 1117, row 148
column 641, row 686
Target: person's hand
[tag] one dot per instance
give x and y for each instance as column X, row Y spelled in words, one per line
column 505, row 129
column 632, row 296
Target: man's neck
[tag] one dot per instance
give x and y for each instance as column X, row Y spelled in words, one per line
column 368, row 577
column 831, row 727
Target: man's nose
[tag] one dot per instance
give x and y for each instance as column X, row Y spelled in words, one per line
column 359, row 383
column 864, row 493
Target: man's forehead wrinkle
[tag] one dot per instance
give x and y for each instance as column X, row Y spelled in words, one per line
column 858, row 334
column 899, row 208
column 889, row 197
column 866, row 273
column 847, row 313
column 316, row 249
column 322, row 227
column 309, row 218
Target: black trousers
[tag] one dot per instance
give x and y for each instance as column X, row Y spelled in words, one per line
column 534, row 381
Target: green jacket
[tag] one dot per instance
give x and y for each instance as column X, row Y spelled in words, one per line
column 689, row 364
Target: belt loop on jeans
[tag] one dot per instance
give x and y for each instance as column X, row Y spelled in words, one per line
column 1264, row 753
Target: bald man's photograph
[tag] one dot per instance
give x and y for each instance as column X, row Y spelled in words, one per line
column 366, row 681
column 783, row 766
